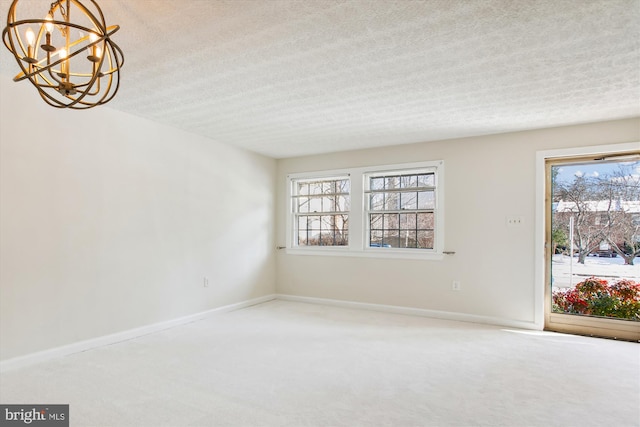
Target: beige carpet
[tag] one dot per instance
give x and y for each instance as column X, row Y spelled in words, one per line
column 293, row 364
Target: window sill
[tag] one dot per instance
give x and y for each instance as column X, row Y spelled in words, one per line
column 367, row 253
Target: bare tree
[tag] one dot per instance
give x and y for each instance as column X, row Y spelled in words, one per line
column 606, row 210
column 577, row 201
column 622, row 188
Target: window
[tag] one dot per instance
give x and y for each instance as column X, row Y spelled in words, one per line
column 401, row 209
column 321, row 211
column 393, row 211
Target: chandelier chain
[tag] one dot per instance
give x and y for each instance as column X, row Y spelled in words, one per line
column 63, row 12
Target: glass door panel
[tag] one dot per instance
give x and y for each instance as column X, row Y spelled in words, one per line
column 593, row 246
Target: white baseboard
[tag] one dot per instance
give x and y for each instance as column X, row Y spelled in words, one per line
column 41, row 356
column 446, row 315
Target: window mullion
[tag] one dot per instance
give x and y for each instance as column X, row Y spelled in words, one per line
column 356, row 213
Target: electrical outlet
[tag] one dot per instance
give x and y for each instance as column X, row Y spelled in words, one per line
column 455, row 285
column 515, row 221
column 205, row 282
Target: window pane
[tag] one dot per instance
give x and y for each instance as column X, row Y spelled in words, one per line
column 375, row 222
column 315, row 204
column 425, row 239
column 326, row 222
column 342, row 223
column 377, row 202
column 342, row 230
column 408, row 221
column 329, row 204
column 426, row 180
column 391, row 238
column 409, row 200
column 313, row 237
column 343, row 186
column 375, row 238
column 315, row 188
column 391, row 201
column 392, row 182
column 302, row 223
column 409, row 181
column 313, row 222
column 303, row 204
column 342, row 204
column 426, row 200
column 407, row 239
column 328, row 187
column 391, row 221
column 326, row 239
column 303, row 188
column 377, row 183
column 302, row 239
column 426, row 221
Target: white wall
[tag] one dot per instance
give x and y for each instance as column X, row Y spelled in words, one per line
column 110, row 222
column 487, row 178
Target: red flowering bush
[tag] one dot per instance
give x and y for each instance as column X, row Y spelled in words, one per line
column 596, row 297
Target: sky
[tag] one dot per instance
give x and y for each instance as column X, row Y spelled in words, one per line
column 567, row 173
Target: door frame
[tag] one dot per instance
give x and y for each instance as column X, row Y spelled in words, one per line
column 562, row 322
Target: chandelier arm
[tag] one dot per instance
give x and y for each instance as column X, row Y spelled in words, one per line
column 95, row 76
column 83, row 94
column 105, row 38
column 49, row 69
column 80, row 100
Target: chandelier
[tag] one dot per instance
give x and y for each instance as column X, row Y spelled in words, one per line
column 68, row 55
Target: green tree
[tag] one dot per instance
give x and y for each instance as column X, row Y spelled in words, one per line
column 559, row 237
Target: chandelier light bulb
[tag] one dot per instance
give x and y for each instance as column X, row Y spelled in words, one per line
column 31, row 37
column 49, row 24
column 94, row 50
column 64, row 65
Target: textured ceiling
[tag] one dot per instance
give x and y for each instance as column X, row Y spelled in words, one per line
column 294, row 77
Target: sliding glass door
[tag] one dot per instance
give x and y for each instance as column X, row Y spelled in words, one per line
column 593, row 246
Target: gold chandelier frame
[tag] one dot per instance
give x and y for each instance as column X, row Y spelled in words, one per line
column 55, row 64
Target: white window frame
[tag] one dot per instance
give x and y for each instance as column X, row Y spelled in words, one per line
column 294, row 215
column 358, row 215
